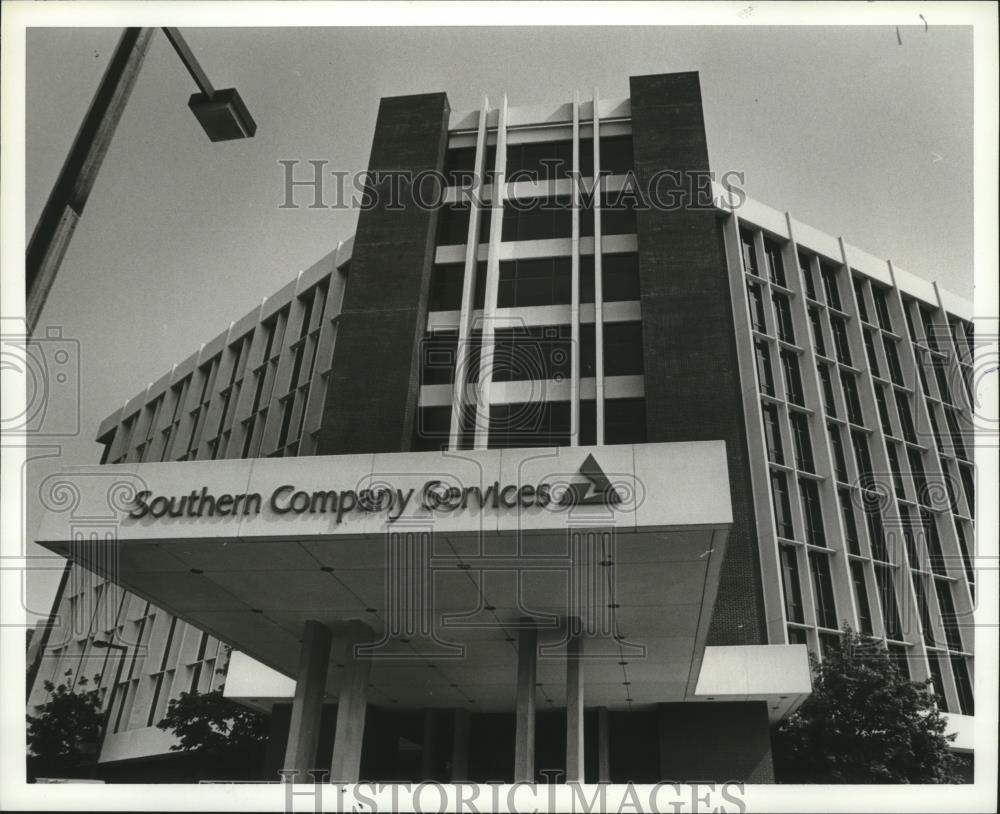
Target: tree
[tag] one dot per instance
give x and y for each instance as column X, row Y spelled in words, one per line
column 865, row 722
column 216, row 726
column 65, row 733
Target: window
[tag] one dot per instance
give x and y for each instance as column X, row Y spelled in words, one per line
column 619, row 278
column 830, row 288
column 955, row 433
column 850, row 526
column 906, row 417
column 892, row 359
column 923, row 609
column 772, row 434
column 812, row 510
column 460, row 164
column 839, row 459
column 263, row 378
column 876, row 529
column 949, row 620
column 900, row 659
column 544, row 281
column 756, row 302
column 897, row 478
column 862, row 456
column 883, row 410
column 783, row 311
column 937, row 680
column 930, row 330
column 538, row 219
column 797, row 635
column 535, row 424
column 963, row 684
column 861, row 597
column 859, row 295
column 749, row 253
column 453, row 224
column 790, row 583
column 828, row 400
column 969, row 487
column 197, row 669
column 870, row 352
column 158, row 705
column 826, row 608
column 625, row 421
column 446, row 286
column 849, row 383
column 782, row 505
column 433, row 429
column 881, row 308
column 775, row 269
column 918, row 475
column 963, row 544
column 942, row 382
column 623, row 349
column 840, row 342
column 803, row 443
column 793, row 381
column 933, row 540
column 438, row 353
column 805, row 269
column 887, row 596
column 535, row 353
column 907, row 312
column 539, row 161
column 764, row 375
column 817, row 330
column 615, row 155
column 617, row 216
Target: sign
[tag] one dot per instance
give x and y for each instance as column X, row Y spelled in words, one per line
column 434, row 496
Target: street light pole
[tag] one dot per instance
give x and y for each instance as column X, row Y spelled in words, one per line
column 221, row 114
column 64, row 207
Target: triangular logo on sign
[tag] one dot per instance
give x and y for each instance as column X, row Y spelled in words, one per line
column 598, row 491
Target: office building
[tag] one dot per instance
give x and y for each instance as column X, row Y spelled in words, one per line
column 538, row 478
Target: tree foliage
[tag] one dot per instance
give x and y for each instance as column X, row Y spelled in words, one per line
column 214, row 725
column 865, row 722
column 67, row 729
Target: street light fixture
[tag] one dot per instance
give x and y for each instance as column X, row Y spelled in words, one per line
column 221, row 113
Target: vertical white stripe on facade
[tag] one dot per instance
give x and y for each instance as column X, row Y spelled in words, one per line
column 598, row 283
column 463, row 346
column 574, row 306
column 492, row 285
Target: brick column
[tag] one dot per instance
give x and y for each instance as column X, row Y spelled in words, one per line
column 692, row 375
column 372, row 393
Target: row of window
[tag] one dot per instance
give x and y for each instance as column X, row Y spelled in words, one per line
column 536, row 424
column 535, row 353
column 538, row 282
column 538, row 219
column 262, row 380
column 542, row 160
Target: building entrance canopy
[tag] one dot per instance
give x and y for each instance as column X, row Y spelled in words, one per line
column 433, row 560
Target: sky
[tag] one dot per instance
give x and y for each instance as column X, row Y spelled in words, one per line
column 858, row 131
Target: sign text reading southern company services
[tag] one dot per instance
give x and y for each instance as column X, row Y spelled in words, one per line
column 434, row 496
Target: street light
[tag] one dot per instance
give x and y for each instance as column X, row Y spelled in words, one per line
column 103, row 645
column 221, row 113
